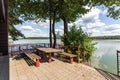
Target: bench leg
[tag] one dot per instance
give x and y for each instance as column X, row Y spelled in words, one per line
column 49, row 58
column 37, row 62
column 71, row 60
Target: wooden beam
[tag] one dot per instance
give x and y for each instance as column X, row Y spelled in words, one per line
column 4, row 27
column 2, row 11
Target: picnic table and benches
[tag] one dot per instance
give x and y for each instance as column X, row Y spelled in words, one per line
column 36, row 58
column 51, row 51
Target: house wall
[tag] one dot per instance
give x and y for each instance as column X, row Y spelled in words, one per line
column 3, row 28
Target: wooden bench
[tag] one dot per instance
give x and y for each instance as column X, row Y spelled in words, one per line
column 34, row 57
column 68, row 55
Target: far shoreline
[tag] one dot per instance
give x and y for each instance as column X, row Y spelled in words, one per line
column 94, row 37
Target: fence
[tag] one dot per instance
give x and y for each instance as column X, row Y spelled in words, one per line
column 21, row 48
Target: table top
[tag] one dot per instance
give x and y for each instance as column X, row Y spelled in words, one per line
column 49, row 50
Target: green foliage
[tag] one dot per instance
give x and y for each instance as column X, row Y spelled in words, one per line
column 113, row 7
column 15, row 33
column 14, row 18
column 77, row 37
column 72, row 9
column 39, row 10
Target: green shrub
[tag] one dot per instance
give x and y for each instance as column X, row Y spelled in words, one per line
column 77, row 37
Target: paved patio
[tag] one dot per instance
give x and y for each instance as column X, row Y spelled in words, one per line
column 57, row 70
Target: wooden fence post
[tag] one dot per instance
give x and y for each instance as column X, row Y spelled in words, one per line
column 78, row 56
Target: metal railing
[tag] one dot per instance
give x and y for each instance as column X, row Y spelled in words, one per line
column 118, row 62
column 21, row 48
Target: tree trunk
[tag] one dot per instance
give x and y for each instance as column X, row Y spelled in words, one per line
column 65, row 25
column 54, row 35
column 50, row 34
column 65, row 30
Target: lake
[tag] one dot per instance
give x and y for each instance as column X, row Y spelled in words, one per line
column 104, row 57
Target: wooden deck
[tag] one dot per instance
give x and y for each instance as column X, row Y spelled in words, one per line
column 56, row 70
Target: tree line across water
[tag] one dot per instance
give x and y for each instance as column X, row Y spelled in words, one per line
column 107, row 37
column 95, row 37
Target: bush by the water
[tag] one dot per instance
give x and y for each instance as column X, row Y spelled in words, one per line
column 77, row 37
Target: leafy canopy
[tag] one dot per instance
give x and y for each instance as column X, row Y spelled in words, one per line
column 38, row 10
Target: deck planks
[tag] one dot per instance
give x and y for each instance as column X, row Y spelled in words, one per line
column 56, row 70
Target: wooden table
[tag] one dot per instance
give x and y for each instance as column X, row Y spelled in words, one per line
column 49, row 51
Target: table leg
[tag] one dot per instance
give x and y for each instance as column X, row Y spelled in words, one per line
column 71, row 60
column 49, row 58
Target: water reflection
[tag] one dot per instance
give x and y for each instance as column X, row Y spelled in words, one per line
column 105, row 55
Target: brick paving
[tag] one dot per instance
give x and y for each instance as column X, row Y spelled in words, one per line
column 57, row 70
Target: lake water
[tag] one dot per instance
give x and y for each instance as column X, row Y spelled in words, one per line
column 104, row 57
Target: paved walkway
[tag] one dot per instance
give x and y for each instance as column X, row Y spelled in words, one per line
column 57, row 70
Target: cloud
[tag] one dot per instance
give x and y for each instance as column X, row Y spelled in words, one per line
column 113, row 27
column 107, row 30
column 96, row 24
column 92, row 23
column 116, row 31
column 30, row 31
column 45, row 24
column 59, row 30
column 93, row 15
column 104, row 12
column 89, row 19
column 70, row 24
column 61, row 27
column 78, row 22
column 42, row 24
column 36, row 33
column 28, row 28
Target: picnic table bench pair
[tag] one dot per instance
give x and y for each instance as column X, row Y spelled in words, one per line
column 49, row 51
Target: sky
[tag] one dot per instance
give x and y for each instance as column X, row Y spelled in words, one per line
column 95, row 22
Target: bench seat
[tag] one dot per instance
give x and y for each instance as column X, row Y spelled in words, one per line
column 68, row 55
column 34, row 57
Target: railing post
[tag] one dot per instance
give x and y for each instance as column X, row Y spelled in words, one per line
column 78, row 56
column 19, row 49
column 44, row 45
column 118, row 63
